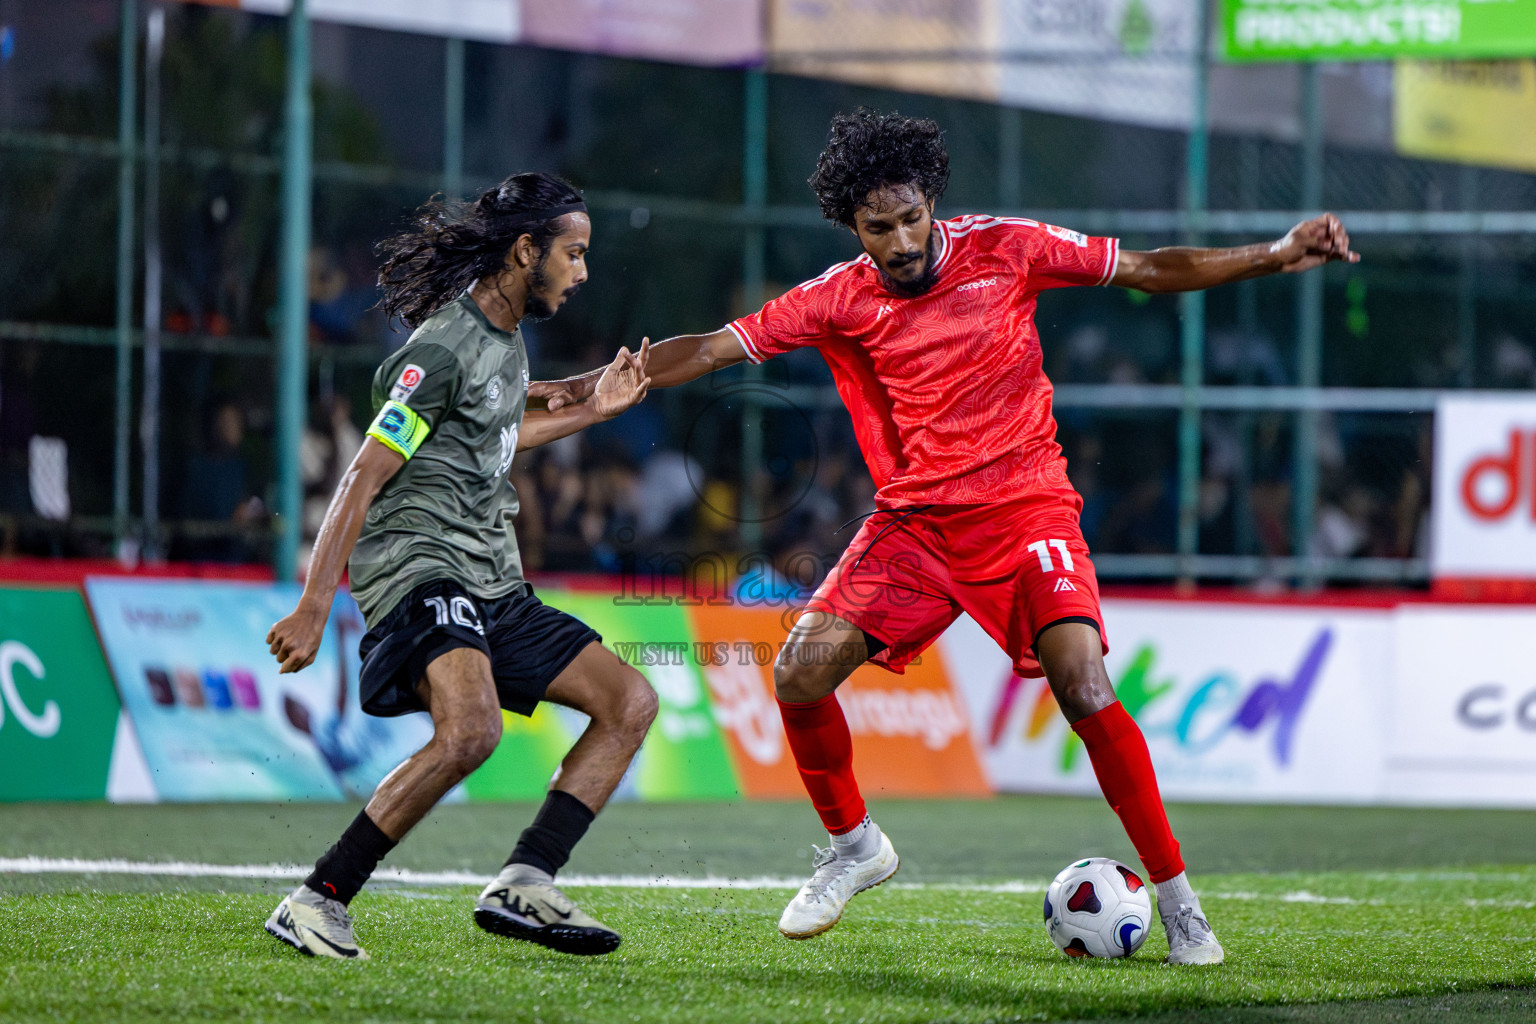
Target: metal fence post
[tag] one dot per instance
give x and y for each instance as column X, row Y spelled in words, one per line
column 1309, row 325
column 453, row 119
column 127, row 107
column 293, row 289
column 1192, row 313
column 754, row 196
column 149, row 412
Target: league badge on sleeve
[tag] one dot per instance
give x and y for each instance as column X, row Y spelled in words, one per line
column 406, row 384
column 1077, row 238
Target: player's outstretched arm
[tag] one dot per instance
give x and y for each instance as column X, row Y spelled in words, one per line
column 620, row 385
column 295, row 640
column 673, row 362
column 1309, row 244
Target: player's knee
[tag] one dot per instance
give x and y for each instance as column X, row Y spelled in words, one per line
column 1081, row 688
column 798, row 680
column 639, row 703
column 466, row 746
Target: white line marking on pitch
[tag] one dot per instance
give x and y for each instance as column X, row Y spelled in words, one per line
column 294, row 872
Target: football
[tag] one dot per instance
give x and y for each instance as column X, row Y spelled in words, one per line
column 1098, row 907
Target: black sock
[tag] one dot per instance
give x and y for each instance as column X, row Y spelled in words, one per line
column 556, row 829
column 346, row 866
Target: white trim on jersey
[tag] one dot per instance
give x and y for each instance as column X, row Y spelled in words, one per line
column 746, row 343
column 1111, row 262
column 833, row 271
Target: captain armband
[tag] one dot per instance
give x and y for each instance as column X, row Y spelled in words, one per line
column 399, row 428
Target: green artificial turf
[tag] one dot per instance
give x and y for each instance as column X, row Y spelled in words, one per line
column 1396, row 916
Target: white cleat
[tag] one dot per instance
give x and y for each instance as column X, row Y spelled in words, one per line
column 315, row 925
column 1190, row 939
column 820, row 902
column 524, row 904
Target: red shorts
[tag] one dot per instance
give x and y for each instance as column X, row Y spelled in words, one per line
column 1015, row 567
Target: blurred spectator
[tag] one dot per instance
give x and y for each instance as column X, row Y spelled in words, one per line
column 217, row 489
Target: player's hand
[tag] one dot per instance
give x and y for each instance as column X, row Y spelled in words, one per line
column 1313, row 243
column 557, row 394
column 624, row 383
column 295, row 640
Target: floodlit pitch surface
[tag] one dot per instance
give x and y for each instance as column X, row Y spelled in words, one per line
column 1389, row 915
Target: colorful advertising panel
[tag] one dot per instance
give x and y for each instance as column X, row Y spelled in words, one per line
column 1465, row 110
column 1484, row 495
column 1121, row 60
column 213, row 717
column 1373, row 29
column 1237, row 702
column 911, row 736
column 58, row 710
column 1462, row 718
column 711, row 32
column 684, row 756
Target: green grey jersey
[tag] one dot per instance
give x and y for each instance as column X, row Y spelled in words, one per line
column 451, row 401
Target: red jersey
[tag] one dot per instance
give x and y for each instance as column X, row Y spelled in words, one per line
column 946, row 390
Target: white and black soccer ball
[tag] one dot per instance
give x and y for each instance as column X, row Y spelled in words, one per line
column 1098, row 907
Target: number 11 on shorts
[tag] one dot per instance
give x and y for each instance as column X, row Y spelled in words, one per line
column 1041, row 548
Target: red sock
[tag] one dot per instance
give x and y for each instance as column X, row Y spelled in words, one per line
column 1124, row 767
column 823, row 748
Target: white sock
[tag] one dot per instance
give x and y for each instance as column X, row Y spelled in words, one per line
column 860, row 843
column 1172, row 893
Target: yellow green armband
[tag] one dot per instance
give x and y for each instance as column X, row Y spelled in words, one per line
column 399, row 428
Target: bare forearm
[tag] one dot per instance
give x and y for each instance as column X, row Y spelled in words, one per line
column 677, row 361
column 338, row 536
column 1188, row 269
column 541, row 427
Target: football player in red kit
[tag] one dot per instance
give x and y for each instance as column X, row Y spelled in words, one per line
column 931, row 339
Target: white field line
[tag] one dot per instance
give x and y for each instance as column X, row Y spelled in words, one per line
column 294, row 872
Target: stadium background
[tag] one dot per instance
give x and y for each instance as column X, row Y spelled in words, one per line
column 1312, row 501
column 186, row 307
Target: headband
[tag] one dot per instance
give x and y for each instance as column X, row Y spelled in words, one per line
column 528, row 218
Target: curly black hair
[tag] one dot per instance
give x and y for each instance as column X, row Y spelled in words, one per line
column 867, row 150
column 453, row 245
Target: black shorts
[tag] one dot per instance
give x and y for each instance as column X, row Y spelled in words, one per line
column 528, row 642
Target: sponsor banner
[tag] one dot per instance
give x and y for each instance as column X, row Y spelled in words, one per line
column 684, row 757
column 712, row 32
column 1462, row 718
column 942, row 39
column 1237, row 702
column 497, row 21
column 215, row 720
column 1463, row 110
column 910, row 732
column 1121, row 60
column 1484, row 494
column 1372, row 29
column 58, row 710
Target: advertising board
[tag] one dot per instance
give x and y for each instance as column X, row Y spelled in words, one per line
column 1373, row 29
column 1462, row 715
column 214, row 718
column 58, row 710
column 910, row 732
column 1484, row 494
column 1236, row 702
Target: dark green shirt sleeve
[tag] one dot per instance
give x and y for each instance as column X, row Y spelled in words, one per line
column 424, row 377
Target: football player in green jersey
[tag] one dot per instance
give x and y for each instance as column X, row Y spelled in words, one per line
column 425, row 513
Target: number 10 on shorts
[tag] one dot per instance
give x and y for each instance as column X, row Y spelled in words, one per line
column 1041, row 548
